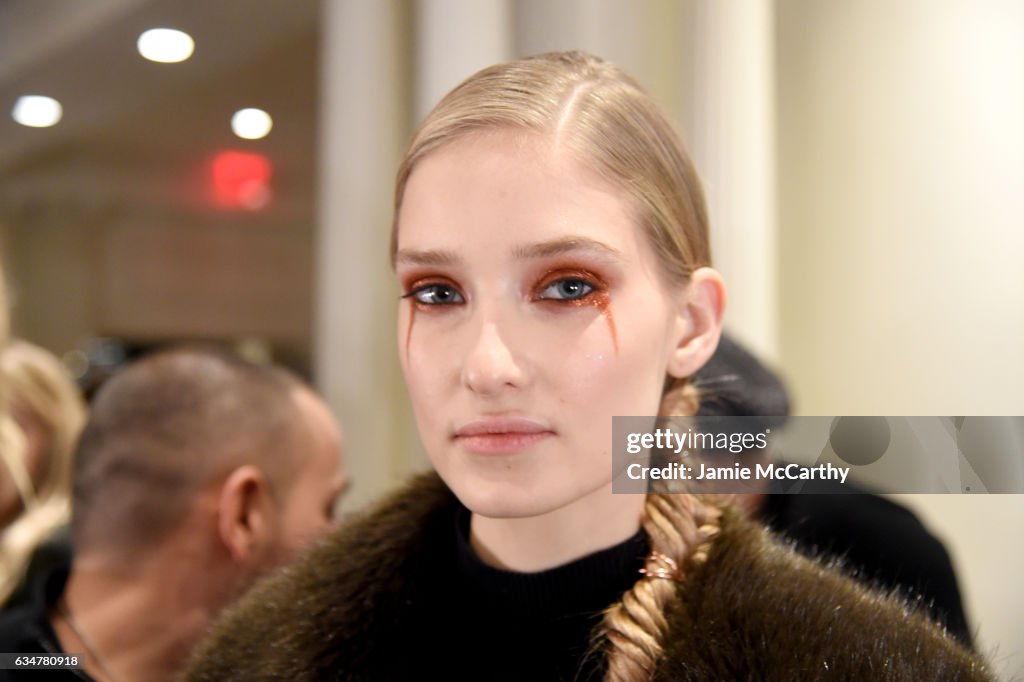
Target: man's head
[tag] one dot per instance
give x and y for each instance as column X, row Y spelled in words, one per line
column 198, row 442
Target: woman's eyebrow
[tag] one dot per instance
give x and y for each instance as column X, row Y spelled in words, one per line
column 563, row 245
column 429, row 257
column 554, row 247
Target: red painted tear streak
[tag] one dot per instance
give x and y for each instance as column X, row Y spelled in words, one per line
column 408, row 334
column 603, row 302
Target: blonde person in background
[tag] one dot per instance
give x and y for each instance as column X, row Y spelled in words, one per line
column 3, row 318
column 47, row 410
column 6, row 431
column 552, row 246
column 11, row 439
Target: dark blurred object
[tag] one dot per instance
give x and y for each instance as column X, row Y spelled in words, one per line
column 735, row 384
column 878, row 541
column 100, row 359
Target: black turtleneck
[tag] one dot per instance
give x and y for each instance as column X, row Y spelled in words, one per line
column 505, row 625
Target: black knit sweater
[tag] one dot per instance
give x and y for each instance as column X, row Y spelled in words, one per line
column 532, row 626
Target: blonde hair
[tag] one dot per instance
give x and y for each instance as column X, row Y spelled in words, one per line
column 3, row 340
column 38, row 384
column 604, row 118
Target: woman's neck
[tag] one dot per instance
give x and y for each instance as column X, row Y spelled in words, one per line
column 536, row 543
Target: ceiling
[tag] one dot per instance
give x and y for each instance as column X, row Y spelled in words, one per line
column 139, row 135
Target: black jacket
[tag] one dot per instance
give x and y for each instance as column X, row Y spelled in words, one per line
column 26, row 629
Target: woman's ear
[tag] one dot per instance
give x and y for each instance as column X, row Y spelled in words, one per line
column 243, row 514
column 702, row 306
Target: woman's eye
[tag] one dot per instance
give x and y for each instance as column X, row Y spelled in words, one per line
column 437, row 294
column 571, row 289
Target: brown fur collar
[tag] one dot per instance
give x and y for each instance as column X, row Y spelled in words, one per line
column 754, row 610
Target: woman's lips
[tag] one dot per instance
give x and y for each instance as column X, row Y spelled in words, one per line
column 500, row 436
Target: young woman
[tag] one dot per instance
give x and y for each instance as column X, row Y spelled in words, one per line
column 551, row 242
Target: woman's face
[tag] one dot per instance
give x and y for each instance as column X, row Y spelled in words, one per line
column 533, row 311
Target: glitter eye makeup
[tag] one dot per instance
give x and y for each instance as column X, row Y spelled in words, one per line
column 580, row 287
column 436, row 292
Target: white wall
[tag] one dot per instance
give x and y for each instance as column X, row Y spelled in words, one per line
column 901, row 170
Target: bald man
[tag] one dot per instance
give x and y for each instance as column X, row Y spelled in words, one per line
column 196, row 474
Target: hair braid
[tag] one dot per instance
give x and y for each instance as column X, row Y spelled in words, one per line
column 680, row 528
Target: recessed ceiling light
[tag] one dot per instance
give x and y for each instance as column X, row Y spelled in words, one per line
column 165, row 45
column 37, row 111
column 251, row 124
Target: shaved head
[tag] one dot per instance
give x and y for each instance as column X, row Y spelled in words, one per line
column 168, row 426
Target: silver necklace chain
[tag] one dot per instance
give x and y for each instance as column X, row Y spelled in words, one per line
column 86, row 642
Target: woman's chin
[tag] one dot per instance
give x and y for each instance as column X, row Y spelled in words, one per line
column 517, row 498
column 505, row 504
column 505, row 499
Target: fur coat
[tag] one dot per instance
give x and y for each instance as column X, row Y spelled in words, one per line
column 755, row 610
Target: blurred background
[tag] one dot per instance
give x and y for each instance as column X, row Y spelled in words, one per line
column 863, row 162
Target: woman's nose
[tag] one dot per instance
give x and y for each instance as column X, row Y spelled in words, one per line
column 490, row 365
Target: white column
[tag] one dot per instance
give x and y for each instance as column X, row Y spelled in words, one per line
column 363, row 128
column 616, row 30
column 731, row 126
column 455, row 39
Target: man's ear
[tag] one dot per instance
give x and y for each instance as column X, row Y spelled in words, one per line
column 243, row 512
column 702, row 306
